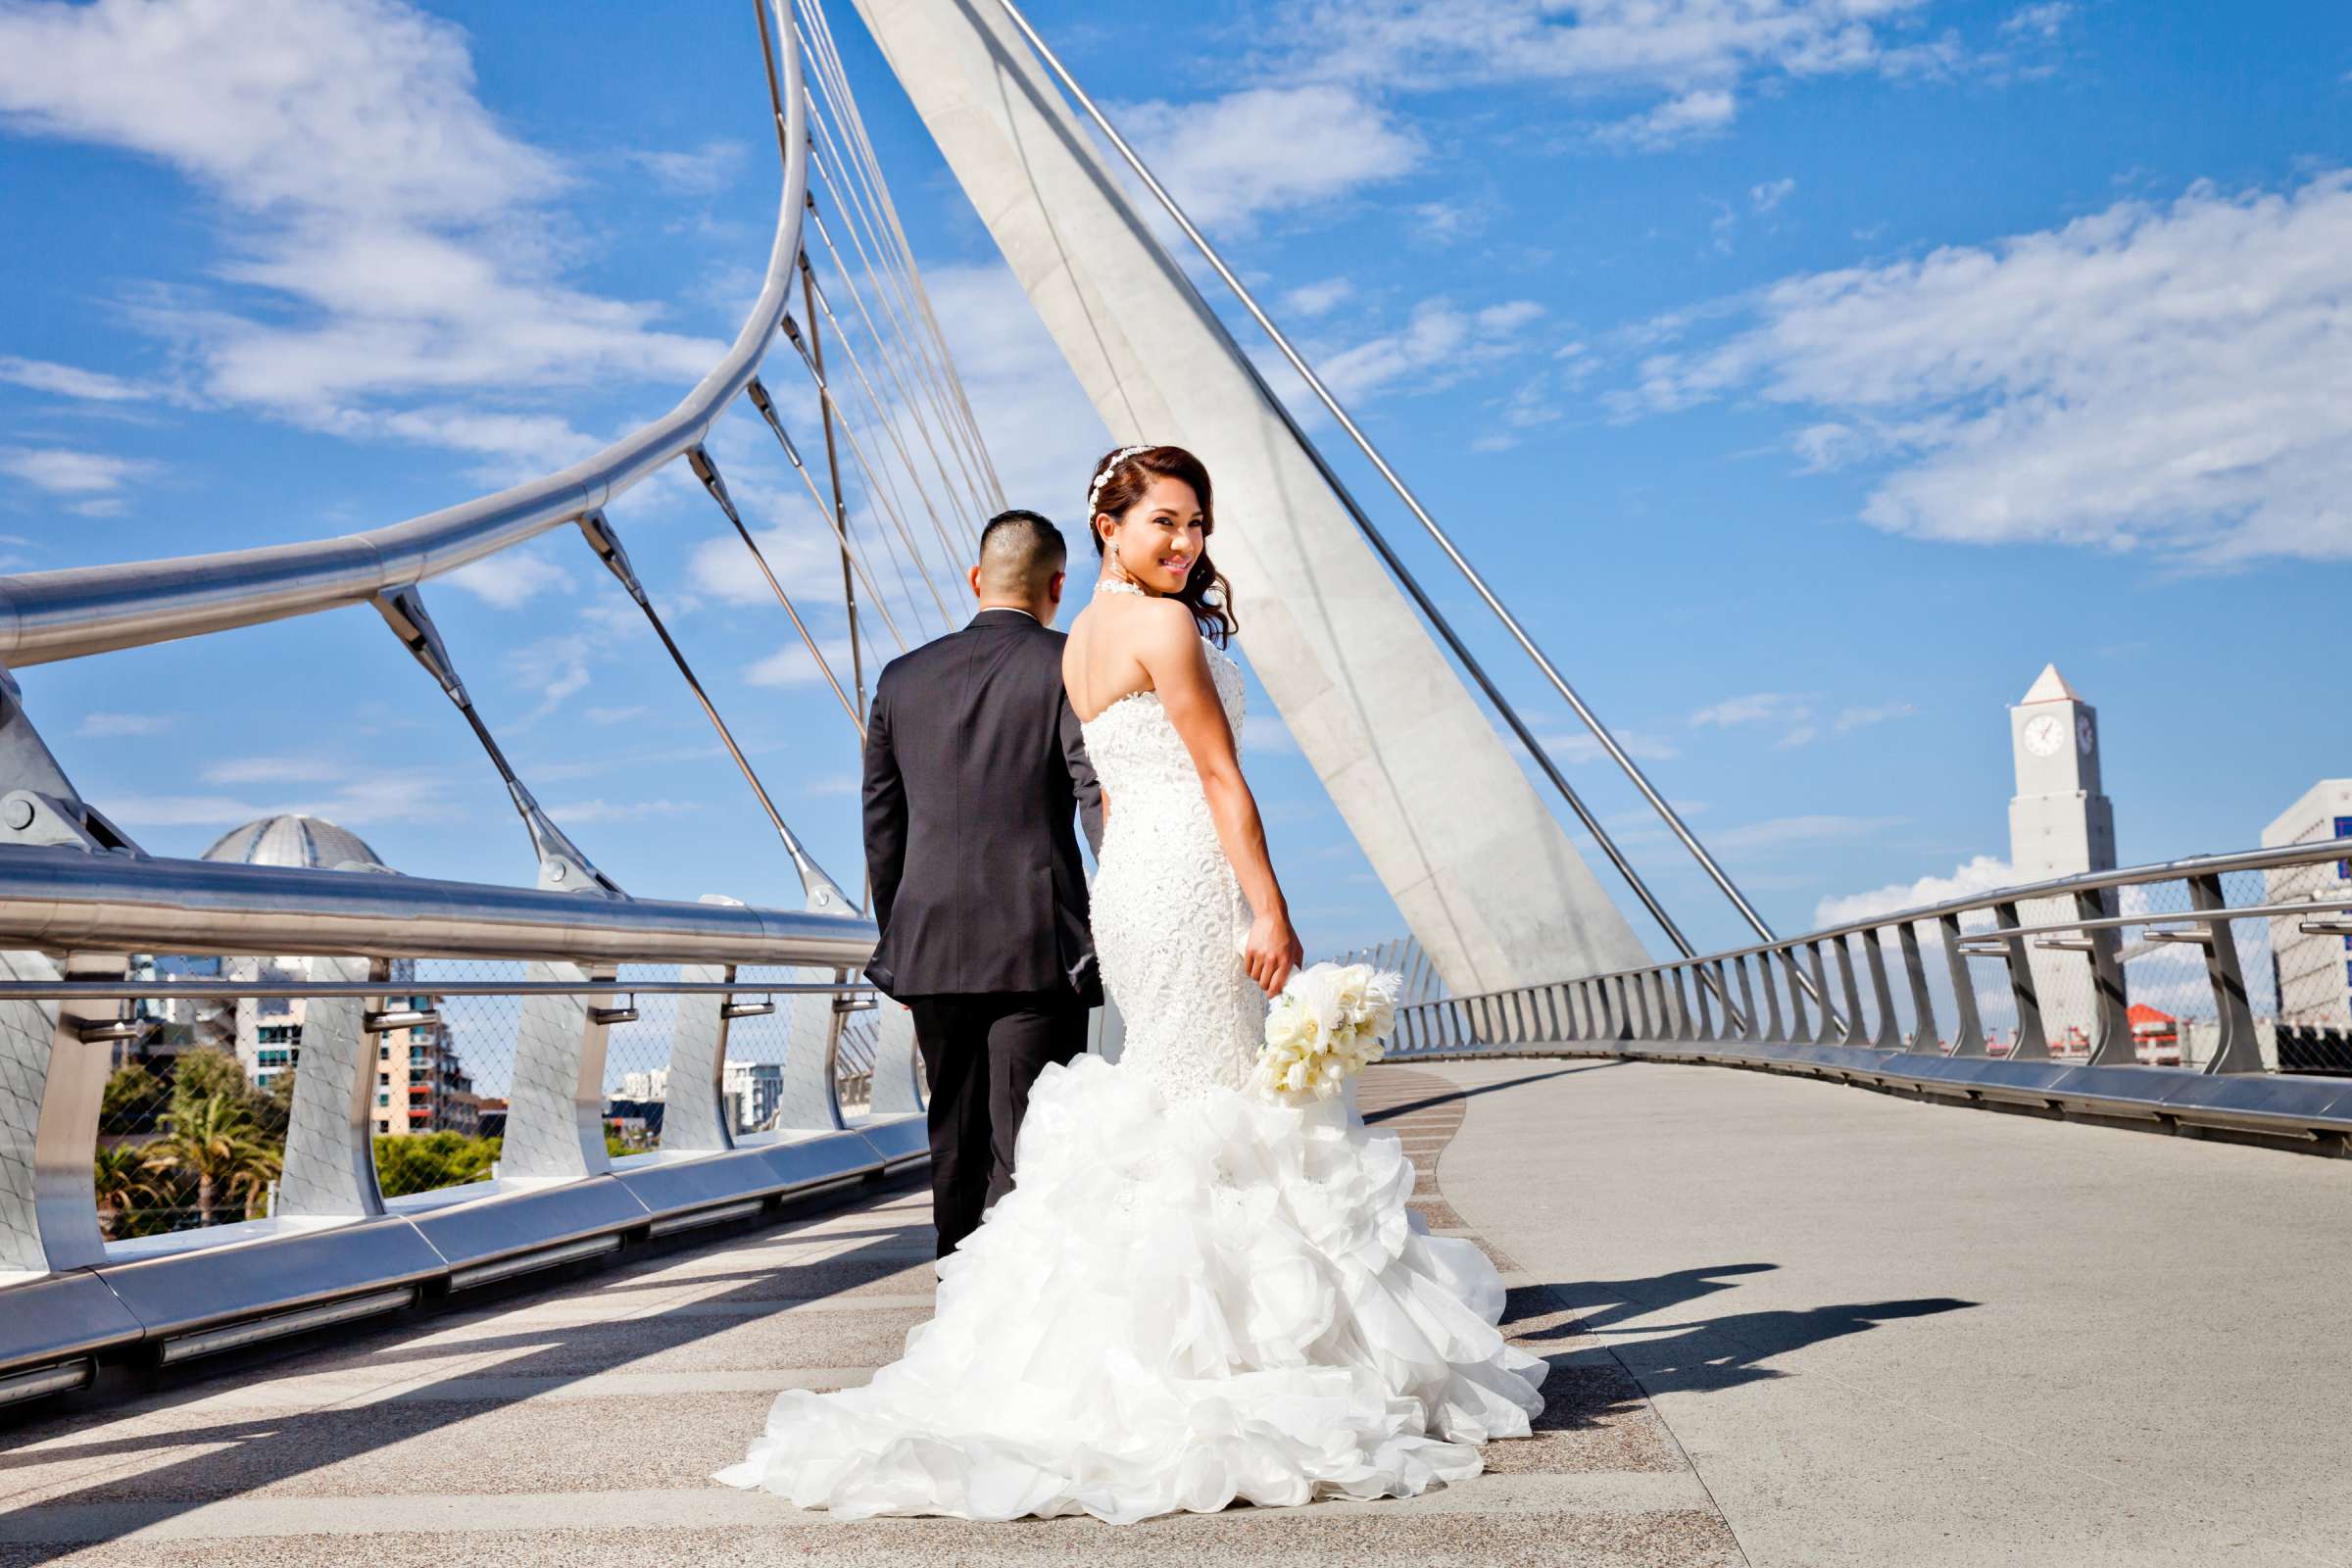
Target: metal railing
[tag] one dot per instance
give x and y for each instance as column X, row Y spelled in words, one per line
column 2055, row 1029
column 235, row 1213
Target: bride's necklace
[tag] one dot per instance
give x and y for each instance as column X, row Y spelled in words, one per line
column 1118, row 585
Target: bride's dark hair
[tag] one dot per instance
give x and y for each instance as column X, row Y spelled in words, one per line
column 1119, row 481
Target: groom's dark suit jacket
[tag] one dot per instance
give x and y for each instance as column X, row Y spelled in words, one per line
column 974, row 772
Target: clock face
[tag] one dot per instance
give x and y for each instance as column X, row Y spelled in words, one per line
column 2082, row 735
column 2044, row 735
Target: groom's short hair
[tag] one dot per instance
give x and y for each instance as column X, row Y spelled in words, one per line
column 1020, row 554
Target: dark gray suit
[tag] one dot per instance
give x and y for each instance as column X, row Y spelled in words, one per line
column 974, row 778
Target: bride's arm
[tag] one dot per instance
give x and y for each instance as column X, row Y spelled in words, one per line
column 1170, row 651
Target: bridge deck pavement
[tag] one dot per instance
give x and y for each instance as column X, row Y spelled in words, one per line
column 1894, row 1333
column 581, row 1423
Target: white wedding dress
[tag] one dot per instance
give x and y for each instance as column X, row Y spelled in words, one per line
column 1191, row 1295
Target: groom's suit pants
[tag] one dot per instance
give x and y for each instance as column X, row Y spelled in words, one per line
column 981, row 1053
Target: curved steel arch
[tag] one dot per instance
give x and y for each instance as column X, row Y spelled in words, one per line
column 70, row 613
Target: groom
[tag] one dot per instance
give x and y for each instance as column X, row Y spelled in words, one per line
column 974, row 770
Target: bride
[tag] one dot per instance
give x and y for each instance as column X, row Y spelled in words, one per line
column 1192, row 1295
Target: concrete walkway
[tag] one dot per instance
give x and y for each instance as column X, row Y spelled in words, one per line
column 579, row 1425
column 1889, row 1333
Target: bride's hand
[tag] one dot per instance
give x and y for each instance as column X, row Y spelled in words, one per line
column 1272, row 952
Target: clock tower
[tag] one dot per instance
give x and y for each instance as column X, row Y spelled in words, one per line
column 2060, row 824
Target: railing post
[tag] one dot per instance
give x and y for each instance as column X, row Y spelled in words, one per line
column 1752, row 1028
column 2033, row 1043
column 1639, row 987
column 695, row 1116
column 1968, row 1029
column 1889, row 1036
column 54, row 1082
column 329, row 1165
column 1775, row 1031
column 1827, row 1034
column 1703, row 1023
column 1799, row 1032
column 897, row 1082
column 1856, row 1021
column 2111, row 1031
column 810, row 1097
column 2237, row 1049
column 1685, row 1031
column 556, row 1104
column 1915, row 974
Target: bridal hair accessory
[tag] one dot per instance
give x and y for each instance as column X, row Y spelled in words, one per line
column 1110, row 467
column 1326, row 1027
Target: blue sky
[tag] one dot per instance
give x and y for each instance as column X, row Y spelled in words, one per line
column 1809, row 372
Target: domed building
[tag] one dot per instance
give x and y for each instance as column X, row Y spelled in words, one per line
column 294, row 839
column 420, row 1085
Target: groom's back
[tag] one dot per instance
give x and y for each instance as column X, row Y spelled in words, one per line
column 973, row 777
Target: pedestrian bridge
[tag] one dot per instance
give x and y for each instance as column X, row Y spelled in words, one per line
column 1790, row 1323
column 1806, row 1300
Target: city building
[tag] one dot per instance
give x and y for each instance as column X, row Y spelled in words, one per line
column 2060, row 824
column 753, row 1091
column 421, row 1086
column 2312, row 969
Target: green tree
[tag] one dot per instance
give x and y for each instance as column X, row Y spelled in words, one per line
column 216, row 1143
column 134, row 1096
column 210, row 1074
column 125, row 1189
column 420, row 1162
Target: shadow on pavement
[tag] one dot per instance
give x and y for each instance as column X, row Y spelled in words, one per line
column 1390, row 1112
column 1727, row 1352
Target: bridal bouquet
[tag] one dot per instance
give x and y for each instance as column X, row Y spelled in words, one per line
column 1324, row 1029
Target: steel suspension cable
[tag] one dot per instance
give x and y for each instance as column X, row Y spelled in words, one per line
column 817, row 36
column 708, row 472
column 791, row 330
column 765, row 405
column 887, row 352
column 827, row 166
column 881, row 410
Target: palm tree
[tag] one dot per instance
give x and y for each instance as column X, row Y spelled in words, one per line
column 122, row 1178
column 215, row 1141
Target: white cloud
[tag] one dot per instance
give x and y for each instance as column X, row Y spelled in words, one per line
column 803, row 554
column 2176, row 378
column 1687, row 58
column 400, row 228
column 1317, row 299
column 1639, row 745
column 364, row 798
column 613, row 715
column 68, row 382
column 1698, row 113
column 702, row 170
column 509, row 580
column 1438, row 346
column 1261, row 150
column 273, row 770
column 1853, row 718
column 1756, row 708
column 69, row 472
column 1769, row 195
column 791, row 665
column 115, row 727
column 557, row 666
column 1980, row 874
column 1264, row 734
column 2042, row 21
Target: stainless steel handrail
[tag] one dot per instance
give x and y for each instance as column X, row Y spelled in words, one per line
column 2056, row 887
column 76, row 611
column 62, row 898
